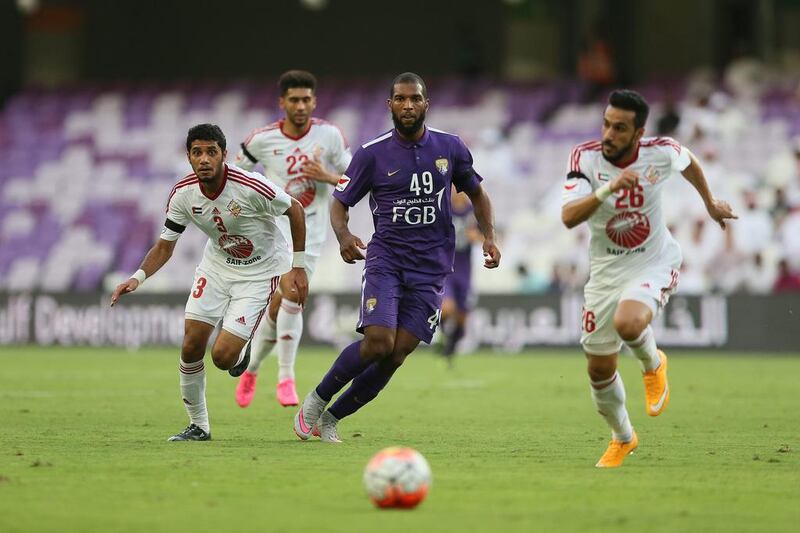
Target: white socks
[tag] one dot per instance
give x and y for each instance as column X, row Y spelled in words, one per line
column 193, row 391
column 262, row 343
column 290, row 329
column 644, row 348
column 609, row 397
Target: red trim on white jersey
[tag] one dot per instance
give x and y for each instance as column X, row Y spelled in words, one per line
column 254, row 184
column 575, row 156
column 221, row 187
column 256, row 131
column 283, row 121
column 188, row 180
column 662, row 141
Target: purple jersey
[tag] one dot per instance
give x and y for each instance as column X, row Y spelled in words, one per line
column 409, row 187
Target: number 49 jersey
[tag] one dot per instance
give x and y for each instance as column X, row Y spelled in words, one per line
column 244, row 241
column 409, row 194
column 627, row 230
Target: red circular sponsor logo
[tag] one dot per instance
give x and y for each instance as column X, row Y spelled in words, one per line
column 236, row 245
column 302, row 189
column 629, row 229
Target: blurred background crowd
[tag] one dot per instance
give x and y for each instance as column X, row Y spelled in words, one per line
column 87, row 161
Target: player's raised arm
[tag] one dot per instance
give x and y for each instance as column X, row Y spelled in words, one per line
column 297, row 277
column 577, row 211
column 350, row 246
column 485, row 217
column 156, row 257
column 719, row 210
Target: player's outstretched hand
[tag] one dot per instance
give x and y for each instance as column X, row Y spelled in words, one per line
column 720, row 210
column 298, row 281
column 124, row 288
column 350, row 247
column 491, row 254
column 628, row 179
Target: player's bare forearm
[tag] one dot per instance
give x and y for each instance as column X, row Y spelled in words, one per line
column 694, row 175
column 157, row 256
column 484, row 213
column 297, row 224
column 579, row 211
column 350, row 246
column 718, row 210
column 340, row 217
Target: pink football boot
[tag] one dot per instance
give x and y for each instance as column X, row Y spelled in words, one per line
column 246, row 389
column 286, row 392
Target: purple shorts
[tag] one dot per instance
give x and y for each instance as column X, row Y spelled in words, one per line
column 395, row 299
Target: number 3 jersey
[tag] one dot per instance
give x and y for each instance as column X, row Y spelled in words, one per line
column 282, row 157
column 409, row 195
column 240, row 219
column 628, row 232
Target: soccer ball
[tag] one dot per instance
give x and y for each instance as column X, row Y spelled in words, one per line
column 397, row 477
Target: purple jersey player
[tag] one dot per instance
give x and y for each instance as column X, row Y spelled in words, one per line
column 408, row 173
column 458, row 296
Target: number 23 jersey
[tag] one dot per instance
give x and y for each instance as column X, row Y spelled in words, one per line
column 628, row 232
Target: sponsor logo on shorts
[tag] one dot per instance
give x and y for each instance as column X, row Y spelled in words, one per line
column 241, row 320
column 370, row 304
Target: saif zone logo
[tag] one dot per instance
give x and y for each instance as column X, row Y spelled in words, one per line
column 628, row 229
column 236, row 246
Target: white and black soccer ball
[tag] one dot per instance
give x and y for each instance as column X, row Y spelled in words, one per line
column 397, row 477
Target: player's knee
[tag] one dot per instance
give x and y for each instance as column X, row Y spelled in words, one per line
column 629, row 327
column 192, row 350
column 601, row 368
column 377, row 347
column 223, row 358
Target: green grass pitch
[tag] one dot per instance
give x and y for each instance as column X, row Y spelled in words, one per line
column 512, row 441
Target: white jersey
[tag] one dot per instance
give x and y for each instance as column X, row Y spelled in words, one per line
column 282, row 157
column 628, row 232
column 244, row 241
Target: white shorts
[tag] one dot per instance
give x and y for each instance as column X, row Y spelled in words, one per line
column 652, row 287
column 240, row 304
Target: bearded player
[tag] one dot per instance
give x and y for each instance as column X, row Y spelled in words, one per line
column 305, row 156
column 407, row 173
column 615, row 184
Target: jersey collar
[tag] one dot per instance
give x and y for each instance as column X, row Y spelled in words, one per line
column 629, row 163
column 411, row 144
column 283, row 120
column 221, row 187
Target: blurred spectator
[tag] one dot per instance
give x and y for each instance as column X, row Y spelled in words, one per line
column 787, row 280
column 528, row 282
column 596, row 64
column 669, row 119
column 757, row 276
column 726, row 268
column 790, row 237
column 754, row 229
